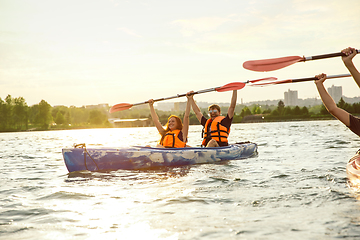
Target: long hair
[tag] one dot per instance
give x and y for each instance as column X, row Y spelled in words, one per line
column 167, row 129
column 178, row 121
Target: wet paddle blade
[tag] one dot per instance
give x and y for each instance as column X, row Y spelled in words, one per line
column 271, row 83
column 240, row 85
column 300, row 80
column 266, row 65
column 231, row 86
column 263, row 79
column 120, row 107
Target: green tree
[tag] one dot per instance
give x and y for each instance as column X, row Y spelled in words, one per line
column 356, row 107
column 7, row 112
column 43, row 116
column 304, row 111
column 68, row 117
column 59, row 119
column 280, row 107
column 20, row 113
column 245, row 112
column 59, row 114
column 192, row 119
column 97, row 117
column 256, row 109
column 324, row 111
column 296, row 111
column 341, row 103
column 287, row 111
column 275, row 112
column 78, row 115
column 2, row 115
column 266, row 111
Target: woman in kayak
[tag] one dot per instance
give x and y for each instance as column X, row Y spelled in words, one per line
column 175, row 133
column 353, row 123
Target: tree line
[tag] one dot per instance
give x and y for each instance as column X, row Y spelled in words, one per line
column 16, row 115
column 251, row 113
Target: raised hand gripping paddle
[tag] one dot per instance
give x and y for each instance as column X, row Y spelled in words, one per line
column 272, row 64
column 227, row 87
column 299, row 80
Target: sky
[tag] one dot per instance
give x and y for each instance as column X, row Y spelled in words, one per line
column 80, row 52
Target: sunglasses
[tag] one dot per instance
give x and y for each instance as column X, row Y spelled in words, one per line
column 213, row 111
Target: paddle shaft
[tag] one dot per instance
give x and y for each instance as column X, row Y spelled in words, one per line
column 330, row 55
column 299, row 80
column 227, row 87
column 178, row 95
column 314, row 78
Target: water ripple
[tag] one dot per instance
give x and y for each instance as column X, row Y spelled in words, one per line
column 296, row 188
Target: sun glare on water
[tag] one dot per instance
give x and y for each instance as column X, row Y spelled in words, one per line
column 106, row 209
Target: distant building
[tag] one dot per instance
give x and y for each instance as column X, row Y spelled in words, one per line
column 179, row 106
column 102, row 105
column 123, row 123
column 290, row 98
column 164, row 106
column 335, row 92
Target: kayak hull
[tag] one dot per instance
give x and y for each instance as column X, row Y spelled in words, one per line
column 102, row 158
column 353, row 170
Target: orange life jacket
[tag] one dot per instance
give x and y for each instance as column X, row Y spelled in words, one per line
column 217, row 132
column 172, row 140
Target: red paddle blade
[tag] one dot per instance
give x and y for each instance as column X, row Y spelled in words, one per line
column 231, row 86
column 262, row 79
column 272, row 83
column 240, row 85
column 120, row 107
column 271, row 64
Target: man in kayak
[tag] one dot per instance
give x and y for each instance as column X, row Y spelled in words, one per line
column 174, row 135
column 353, row 123
column 217, row 127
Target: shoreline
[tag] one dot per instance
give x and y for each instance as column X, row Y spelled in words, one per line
column 251, row 120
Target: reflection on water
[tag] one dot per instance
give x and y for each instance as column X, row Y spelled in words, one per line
column 159, row 173
column 296, row 188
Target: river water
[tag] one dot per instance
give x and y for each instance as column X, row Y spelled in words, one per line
column 296, row 188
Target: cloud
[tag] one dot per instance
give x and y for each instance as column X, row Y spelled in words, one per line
column 129, row 32
column 204, row 24
column 291, row 24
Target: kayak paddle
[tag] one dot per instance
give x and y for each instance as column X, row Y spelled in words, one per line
column 299, row 80
column 227, row 87
column 277, row 63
